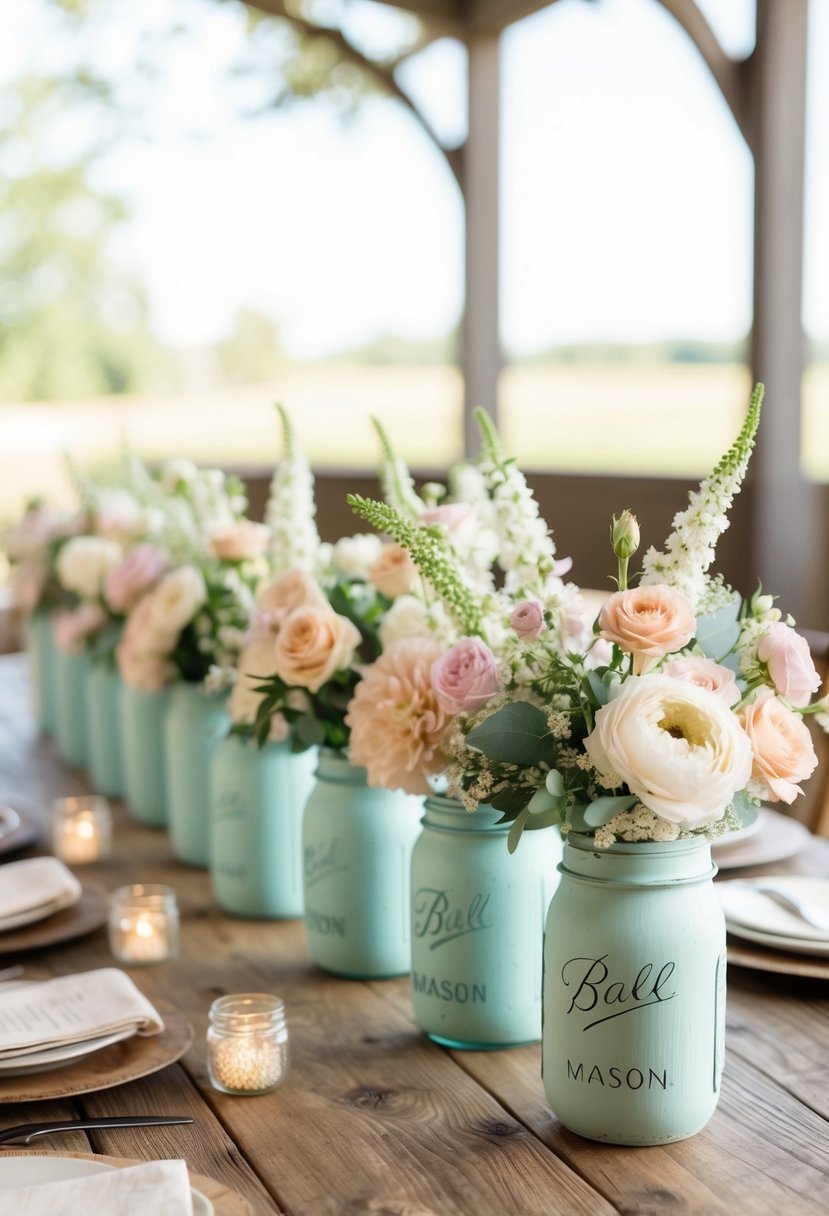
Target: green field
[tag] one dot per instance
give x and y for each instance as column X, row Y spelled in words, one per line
column 670, row 419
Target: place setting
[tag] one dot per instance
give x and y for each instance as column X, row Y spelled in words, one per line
column 770, row 838
column 18, row 829
column 42, row 903
column 781, row 921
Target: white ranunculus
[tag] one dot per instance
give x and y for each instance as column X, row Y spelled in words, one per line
column 407, row 618
column 177, row 599
column 675, row 745
column 355, row 555
column 84, row 562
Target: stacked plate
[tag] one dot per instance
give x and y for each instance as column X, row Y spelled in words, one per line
column 772, row 837
column 782, row 911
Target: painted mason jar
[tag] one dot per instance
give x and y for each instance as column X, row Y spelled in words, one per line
column 257, row 799
column 194, row 726
column 71, row 725
column 357, row 845
column 142, row 740
column 103, row 705
column 478, row 926
column 634, row 991
column 40, row 647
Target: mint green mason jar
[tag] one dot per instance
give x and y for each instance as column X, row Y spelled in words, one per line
column 357, row 846
column 634, row 991
column 257, row 799
column 40, row 647
column 194, row 726
column 142, row 739
column 103, row 706
column 71, row 725
column 478, row 926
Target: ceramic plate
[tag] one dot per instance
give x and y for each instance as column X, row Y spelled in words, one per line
column 30, row 915
column 744, row 903
column 16, row 1172
column 790, row 945
column 775, row 838
column 58, row 1057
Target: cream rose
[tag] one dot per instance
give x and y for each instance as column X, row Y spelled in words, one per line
column 407, row 618
column 84, row 562
column 176, row 599
column 290, row 590
column 240, row 541
column 312, row 645
column 783, row 750
column 705, row 673
column 354, row 555
column 676, row 746
column 393, row 573
column 648, row 622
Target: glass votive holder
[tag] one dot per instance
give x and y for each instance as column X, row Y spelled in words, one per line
column 247, row 1044
column 81, row 829
column 143, row 924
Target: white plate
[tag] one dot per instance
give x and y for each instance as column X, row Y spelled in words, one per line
column 745, row 904
column 17, row 1172
column 792, row 945
column 9, row 821
column 59, row 1057
column 776, row 838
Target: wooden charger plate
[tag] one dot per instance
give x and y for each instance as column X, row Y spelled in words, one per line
column 744, row 954
column 87, row 915
column 138, row 1056
column 24, row 833
column 225, row 1201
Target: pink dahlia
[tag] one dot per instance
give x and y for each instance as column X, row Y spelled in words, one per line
column 397, row 725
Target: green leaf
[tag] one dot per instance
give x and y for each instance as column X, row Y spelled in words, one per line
column 510, row 800
column 516, row 734
column 599, row 689
column 310, row 731
column 602, row 810
column 515, row 831
column 744, row 809
column 554, row 783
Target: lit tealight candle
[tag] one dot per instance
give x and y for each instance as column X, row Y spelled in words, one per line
column 143, row 924
column 81, row 829
column 247, row 1044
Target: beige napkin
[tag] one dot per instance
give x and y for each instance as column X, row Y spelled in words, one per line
column 159, row 1188
column 34, row 889
column 72, row 1009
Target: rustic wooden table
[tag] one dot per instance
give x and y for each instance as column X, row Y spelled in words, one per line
column 374, row 1118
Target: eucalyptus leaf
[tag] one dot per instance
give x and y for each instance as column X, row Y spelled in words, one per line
column 744, row 809
column 598, row 687
column 602, row 810
column 554, row 783
column 516, row 734
column 515, row 831
column 509, row 800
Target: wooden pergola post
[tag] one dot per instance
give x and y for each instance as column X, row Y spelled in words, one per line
column 784, row 504
column 481, row 349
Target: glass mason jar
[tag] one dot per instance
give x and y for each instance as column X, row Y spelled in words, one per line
column 40, row 647
column 194, row 726
column 257, row 798
column 103, row 706
column 247, row 1044
column 357, row 845
column 142, row 740
column 81, row 829
column 478, row 925
column 143, row 924
column 71, row 725
column 634, row 991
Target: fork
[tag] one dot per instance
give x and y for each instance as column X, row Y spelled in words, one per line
column 807, row 912
column 25, row 1133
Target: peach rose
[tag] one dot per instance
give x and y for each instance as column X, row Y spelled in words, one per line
column 393, row 573
column 648, row 622
column 790, row 664
column 288, row 591
column 239, row 541
column 312, row 645
column 782, row 746
column 705, row 673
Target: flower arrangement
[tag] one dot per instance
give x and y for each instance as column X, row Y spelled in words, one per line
column 648, row 728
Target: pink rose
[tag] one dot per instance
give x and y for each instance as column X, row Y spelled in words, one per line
column 70, row 629
column 313, row 645
column 790, row 664
column 465, row 677
column 453, row 515
column 782, row 746
column 240, row 541
column 648, row 622
column 705, row 673
column 528, row 620
column 127, row 582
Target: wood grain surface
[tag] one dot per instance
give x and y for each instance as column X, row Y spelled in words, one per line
column 375, row 1119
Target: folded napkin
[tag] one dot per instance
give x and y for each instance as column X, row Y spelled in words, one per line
column 159, row 1188
column 34, row 889
column 72, row 1009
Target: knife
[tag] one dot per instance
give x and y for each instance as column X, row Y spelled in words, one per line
column 24, row 1133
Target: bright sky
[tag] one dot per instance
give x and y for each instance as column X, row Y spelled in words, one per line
column 626, row 189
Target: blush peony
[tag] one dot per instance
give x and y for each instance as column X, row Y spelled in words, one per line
column 676, row 746
column 648, row 622
column 397, row 724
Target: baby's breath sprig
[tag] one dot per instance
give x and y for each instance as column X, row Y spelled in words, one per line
column 430, row 552
column 395, row 478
